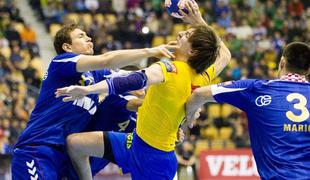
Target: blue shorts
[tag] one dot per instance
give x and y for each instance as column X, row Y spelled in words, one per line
column 39, row 162
column 97, row 164
column 133, row 155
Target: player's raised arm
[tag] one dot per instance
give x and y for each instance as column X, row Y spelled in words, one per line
column 194, row 18
column 120, row 58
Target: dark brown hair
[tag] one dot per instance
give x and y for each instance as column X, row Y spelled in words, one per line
column 205, row 45
column 297, row 55
column 63, row 36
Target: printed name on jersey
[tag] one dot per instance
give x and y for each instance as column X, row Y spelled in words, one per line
column 296, row 127
column 170, row 67
column 87, row 104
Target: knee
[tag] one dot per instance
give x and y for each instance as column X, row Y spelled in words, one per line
column 73, row 144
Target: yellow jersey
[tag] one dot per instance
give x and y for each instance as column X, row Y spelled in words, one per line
column 163, row 107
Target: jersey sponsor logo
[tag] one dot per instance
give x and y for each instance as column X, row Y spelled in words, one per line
column 87, row 104
column 87, row 79
column 263, row 100
column 129, row 138
column 32, row 170
column 170, row 67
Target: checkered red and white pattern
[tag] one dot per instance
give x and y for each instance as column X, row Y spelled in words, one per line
column 294, row 77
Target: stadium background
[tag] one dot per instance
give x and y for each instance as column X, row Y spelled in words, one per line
column 254, row 30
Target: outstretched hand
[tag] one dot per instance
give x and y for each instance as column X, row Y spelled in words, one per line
column 193, row 17
column 71, row 93
column 165, row 50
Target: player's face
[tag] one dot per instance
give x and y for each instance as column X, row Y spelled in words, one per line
column 182, row 40
column 81, row 43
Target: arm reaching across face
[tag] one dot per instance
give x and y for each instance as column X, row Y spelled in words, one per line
column 120, row 58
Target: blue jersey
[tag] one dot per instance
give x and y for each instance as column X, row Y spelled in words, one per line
column 112, row 115
column 52, row 119
column 279, row 123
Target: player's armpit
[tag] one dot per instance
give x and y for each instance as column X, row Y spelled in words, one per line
column 154, row 74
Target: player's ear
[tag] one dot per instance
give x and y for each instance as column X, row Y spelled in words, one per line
column 66, row 47
column 282, row 62
column 191, row 52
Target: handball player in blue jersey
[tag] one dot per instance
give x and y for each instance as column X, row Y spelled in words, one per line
column 278, row 113
column 40, row 150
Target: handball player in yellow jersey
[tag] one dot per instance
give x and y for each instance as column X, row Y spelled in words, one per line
column 148, row 153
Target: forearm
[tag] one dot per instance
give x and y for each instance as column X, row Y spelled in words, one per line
column 222, row 59
column 120, row 58
column 199, row 97
column 98, row 88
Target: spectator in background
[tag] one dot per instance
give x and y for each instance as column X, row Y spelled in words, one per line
column 28, row 36
column 12, row 35
column 92, row 5
column 295, row 9
column 119, row 6
column 4, row 43
column 186, row 158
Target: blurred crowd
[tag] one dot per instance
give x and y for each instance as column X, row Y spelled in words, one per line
column 20, row 74
column 254, row 30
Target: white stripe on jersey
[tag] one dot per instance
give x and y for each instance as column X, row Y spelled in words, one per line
column 129, row 97
column 282, row 80
column 73, row 59
column 215, row 89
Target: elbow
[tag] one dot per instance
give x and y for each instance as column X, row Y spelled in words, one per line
column 203, row 93
column 199, row 93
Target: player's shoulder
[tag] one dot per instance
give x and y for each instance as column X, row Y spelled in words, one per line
column 168, row 65
column 65, row 57
column 248, row 83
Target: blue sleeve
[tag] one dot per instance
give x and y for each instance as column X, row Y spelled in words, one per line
column 235, row 93
column 64, row 66
column 116, row 102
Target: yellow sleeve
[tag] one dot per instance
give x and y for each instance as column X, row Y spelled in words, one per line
column 205, row 77
column 167, row 67
column 211, row 72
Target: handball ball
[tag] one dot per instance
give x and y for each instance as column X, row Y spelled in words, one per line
column 173, row 8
